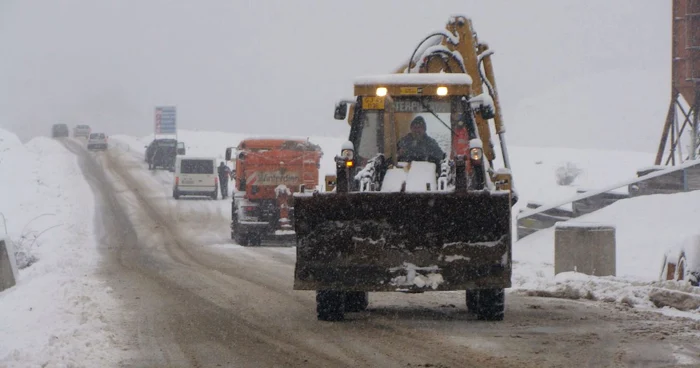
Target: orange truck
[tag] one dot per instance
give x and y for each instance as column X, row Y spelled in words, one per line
column 268, row 174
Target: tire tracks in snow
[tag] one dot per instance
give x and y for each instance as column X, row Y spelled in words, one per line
column 398, row 346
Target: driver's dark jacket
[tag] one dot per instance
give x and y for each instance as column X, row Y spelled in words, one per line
column 421, row 149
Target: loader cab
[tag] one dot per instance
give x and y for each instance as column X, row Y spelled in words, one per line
column 385, row 107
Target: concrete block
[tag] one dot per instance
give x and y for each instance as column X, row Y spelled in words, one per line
column 587, row 248
column 8, row 265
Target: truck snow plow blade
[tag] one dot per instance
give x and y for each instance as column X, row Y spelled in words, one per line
column 403, row 241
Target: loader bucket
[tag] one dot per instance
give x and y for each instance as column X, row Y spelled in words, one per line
column 403, row 241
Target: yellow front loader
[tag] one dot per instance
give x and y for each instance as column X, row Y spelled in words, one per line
column 414, row 223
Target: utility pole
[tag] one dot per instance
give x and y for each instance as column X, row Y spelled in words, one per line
column 685, row 84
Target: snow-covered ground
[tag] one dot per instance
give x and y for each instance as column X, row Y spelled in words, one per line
column 58, row 314
column 60, row 310
column 645, row 226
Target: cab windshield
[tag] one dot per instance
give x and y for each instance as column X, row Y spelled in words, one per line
column 380, row 131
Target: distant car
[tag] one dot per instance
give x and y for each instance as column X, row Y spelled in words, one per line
column 97, row 141
column 181, row 148
column 59, row 130
column 161, row 153
column 195, row 176
column 81, row 131
column 682, row 261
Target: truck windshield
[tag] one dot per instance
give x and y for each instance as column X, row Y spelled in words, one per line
column 379, row 130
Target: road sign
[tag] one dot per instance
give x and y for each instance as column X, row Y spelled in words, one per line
column 165, row 120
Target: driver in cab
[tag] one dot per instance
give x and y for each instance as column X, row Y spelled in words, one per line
column 418, row 146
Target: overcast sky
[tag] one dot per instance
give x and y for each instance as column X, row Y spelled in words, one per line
column 278, row 66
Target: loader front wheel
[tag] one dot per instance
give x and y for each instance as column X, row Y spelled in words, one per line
column 242, row 239
column 330, row 305
column 491, row 304
column 356, row 301
column 255, row 239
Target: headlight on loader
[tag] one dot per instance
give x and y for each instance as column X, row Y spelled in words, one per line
column 476, row 153
column 347, row 154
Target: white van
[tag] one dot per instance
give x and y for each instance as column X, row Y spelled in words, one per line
column 195, row 176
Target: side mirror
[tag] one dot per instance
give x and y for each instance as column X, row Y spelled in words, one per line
column 341, row 111
column 487, row 112
column 484, row 104
column 228, row 153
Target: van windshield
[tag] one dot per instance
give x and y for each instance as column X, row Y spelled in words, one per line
column 197, row 167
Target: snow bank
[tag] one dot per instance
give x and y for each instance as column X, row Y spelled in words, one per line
column 646, row 227
column 57, row 314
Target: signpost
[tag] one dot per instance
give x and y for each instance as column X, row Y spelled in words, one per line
column 165, row 120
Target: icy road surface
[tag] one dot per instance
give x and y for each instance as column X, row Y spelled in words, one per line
column 190, row 298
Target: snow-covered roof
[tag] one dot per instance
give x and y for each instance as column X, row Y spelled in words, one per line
column 196, row 158
column 415, row 78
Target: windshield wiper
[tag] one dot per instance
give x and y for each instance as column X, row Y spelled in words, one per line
column 427, row 107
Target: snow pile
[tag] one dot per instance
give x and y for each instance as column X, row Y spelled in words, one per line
column 671, row 296
column 645, row 228
column 282, row 190
column 417, row 276
column 57, row 314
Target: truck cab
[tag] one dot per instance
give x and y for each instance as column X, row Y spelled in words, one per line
column 268, row 174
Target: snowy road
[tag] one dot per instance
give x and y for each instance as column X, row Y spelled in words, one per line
column 192, row 299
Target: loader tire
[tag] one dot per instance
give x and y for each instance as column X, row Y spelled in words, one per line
column 255, row 239
column 491, row 305
column 356, row 301
column 241, row 239
column 472, row 300
column 330, row 305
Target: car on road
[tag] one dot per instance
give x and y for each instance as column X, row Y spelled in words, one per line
column 97, row 141
column 59, row 130
column 195, row 176
column 81, row 130
column 181, row 150
column 681, row 262
column 161, row 153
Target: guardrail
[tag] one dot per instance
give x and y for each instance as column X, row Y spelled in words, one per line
column 652, row 180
